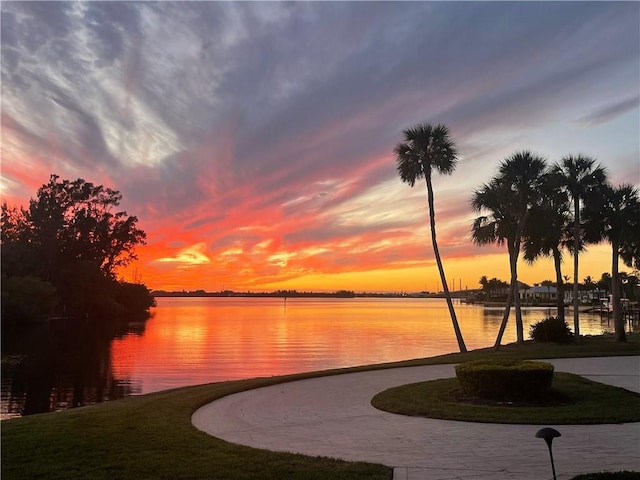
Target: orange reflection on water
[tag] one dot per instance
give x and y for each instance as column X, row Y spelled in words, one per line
column 200, row 340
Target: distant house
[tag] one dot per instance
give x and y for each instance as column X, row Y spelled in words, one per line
column 539, row 293
column 585, row 297
column 592, row 296
column 549, row 293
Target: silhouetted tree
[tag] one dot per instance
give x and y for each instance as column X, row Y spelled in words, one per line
column 588, row 283
column 72, row 237
column 484, row 283
column 508, row 200
column 75, row 221
column 580, row 174
column 629, row 285
column 604, row 283
column 427, row 148
column 615, row 216
column 498, row 225
column 547, row 232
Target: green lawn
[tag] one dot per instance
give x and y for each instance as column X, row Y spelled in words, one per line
column 575, row 401
column 151, row 436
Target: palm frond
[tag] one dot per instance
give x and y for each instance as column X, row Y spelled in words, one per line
column 484, row 231
column 581, row 173
column 425, row 148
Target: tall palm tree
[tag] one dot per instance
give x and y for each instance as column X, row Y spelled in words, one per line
column 547, row 233
column 508, row 199
column 426, row 148
column 580, row 175
column 498, row 225
column 615, row 217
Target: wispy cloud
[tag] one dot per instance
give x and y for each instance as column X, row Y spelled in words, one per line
column 611, row 111
column 254, row 140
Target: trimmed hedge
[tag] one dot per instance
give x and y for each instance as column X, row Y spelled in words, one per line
column 505, row 380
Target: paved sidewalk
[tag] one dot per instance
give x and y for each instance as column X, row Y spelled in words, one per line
column 332, row 416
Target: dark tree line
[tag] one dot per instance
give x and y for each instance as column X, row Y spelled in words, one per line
column 60, row 255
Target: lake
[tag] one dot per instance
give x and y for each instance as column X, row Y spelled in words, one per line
column 190, row 341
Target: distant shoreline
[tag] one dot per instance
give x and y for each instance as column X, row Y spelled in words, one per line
column 296, row 294
column 460, row 295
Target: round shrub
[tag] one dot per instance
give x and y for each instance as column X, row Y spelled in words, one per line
column 505, row 380
column 551, row 329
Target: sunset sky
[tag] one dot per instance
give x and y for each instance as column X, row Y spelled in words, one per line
column 254, row 141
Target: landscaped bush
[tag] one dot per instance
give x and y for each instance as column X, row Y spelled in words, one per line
column 505, row 380
column 551, row 329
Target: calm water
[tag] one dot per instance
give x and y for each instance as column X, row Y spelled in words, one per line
column 190, row 341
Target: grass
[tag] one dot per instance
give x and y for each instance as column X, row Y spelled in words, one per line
column 576, row 401
column 151, row 436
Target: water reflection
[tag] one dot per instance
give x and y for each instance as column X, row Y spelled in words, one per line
column 59, row 365
column 199, row 340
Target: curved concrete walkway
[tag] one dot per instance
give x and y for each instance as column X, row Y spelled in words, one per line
column 332, row 416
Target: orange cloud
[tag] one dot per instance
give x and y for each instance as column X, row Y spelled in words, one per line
column 194, row 255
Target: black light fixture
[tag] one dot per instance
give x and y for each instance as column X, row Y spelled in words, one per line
column 549, row 434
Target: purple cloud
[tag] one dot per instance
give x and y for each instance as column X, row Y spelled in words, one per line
column 221, row 116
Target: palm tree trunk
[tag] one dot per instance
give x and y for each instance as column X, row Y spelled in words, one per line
column 618, row 320
column 505, row 318
column 516, row 293
column 557, row 262
column 513, row 245
column 576, row 247
column 436, row 251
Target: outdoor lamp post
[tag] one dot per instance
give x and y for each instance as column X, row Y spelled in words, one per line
column 549, row 434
